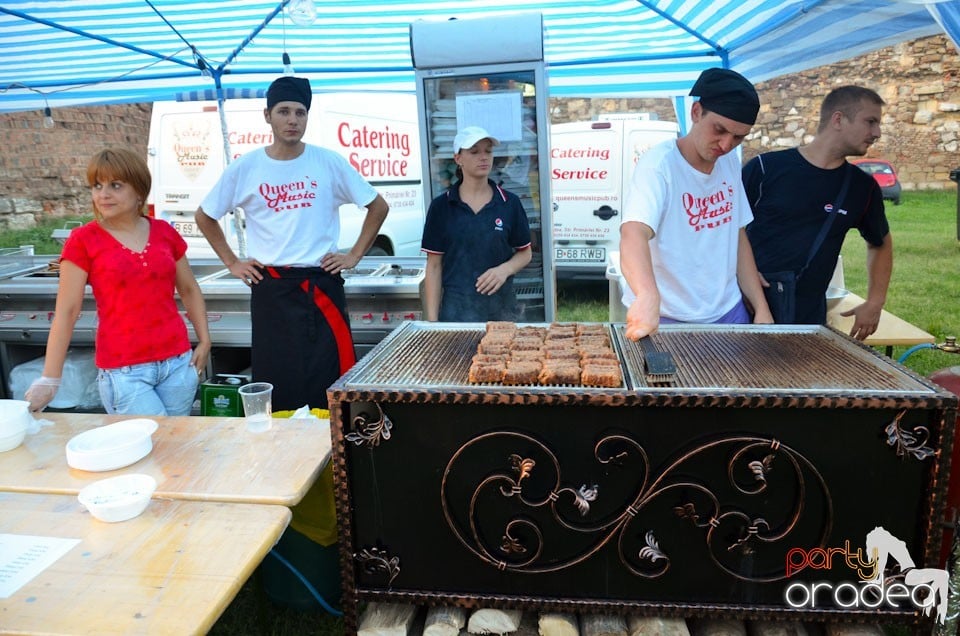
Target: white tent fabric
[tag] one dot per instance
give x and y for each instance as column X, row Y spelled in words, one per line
column 71, row 52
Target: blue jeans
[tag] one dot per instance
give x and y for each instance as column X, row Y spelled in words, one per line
column 167, row 387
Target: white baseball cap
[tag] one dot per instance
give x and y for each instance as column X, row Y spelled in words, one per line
column 470, row 135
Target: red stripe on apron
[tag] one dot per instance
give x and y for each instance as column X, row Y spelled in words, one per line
column 341, row 330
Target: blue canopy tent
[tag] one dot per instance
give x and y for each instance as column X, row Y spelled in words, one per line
column 69, row 53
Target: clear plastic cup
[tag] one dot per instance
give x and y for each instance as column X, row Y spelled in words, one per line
column 256, row 398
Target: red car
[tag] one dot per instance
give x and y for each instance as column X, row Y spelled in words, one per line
column 884, row 174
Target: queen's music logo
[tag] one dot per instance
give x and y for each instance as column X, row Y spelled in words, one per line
column 191, row 147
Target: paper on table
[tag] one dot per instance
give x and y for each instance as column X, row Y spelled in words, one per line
column 22, row 557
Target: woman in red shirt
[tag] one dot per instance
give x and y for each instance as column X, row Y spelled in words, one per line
column 133, row 264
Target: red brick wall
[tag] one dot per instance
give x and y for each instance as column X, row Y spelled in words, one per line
column 43, row 171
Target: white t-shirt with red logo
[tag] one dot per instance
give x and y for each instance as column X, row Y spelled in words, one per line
column 696, row 219
column 292, row 207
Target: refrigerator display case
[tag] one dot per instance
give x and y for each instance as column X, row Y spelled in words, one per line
column 499, row 85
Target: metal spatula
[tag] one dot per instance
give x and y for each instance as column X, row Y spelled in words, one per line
column 658, row 365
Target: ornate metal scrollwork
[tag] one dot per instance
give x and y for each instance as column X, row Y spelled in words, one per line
column 377, row 560
column 912, row 442
column 584, row 495
column 370, row 432
column 652, row 552
column 527, row 496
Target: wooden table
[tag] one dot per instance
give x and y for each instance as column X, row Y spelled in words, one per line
column 892, row 330
column 196, row 458
column 171, row 570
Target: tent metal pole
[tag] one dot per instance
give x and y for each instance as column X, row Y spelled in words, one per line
column 94, row 36
column 247, row 40
column 238, row 217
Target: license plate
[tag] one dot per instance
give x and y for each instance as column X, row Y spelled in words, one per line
column 581, row 254
column 186, row 228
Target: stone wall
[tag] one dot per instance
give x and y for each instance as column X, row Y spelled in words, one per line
column 42, row 171
column 919, row 80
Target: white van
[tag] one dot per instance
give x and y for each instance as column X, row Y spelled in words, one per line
column 375, row 132
column 590, row 167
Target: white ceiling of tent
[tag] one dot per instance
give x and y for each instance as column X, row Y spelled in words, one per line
column 70, row 52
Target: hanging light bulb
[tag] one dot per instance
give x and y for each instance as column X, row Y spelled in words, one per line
column 48, row 118
column 287, row 64
column 201, row 64
column 302, row 12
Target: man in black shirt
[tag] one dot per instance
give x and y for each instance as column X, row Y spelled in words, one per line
column 796, row 196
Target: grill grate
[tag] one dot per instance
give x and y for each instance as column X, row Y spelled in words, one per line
column 429, row 355
column 782, row 358
column 421, row 355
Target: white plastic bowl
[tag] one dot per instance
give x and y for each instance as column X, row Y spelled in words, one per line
column 14, row 419
column 834, row 296
column 118, row 498
column 112, row 446
column 12, row 440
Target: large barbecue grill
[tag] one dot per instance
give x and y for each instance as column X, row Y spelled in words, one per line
column 680, row 499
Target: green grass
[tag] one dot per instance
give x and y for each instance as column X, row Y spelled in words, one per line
column 583, row 302
column 925, row 288
column 39, row 236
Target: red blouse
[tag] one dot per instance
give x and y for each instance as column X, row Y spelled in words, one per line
column 137, row 315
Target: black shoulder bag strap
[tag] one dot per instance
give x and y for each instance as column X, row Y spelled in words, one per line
column 837, row 204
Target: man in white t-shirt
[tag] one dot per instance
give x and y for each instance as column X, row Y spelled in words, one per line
column 291, row 193
column 684, row 253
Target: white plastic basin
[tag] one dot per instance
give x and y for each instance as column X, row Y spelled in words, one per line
column 14, row 419
column 834, row 296
column 112, row 446
column 118, row 498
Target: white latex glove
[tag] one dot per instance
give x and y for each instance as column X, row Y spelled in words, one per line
column 41, row 392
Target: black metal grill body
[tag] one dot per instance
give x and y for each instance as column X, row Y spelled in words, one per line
column 682, row 500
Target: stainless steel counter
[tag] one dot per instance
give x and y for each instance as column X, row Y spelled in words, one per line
column 382, row 292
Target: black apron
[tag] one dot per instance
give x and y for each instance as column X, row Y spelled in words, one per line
column 301, row 341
